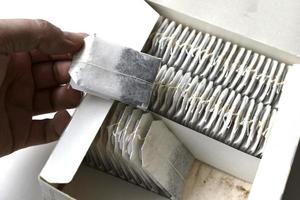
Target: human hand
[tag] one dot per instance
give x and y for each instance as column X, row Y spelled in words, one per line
column 34, row 62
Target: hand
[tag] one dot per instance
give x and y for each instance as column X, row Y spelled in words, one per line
column 34, row 61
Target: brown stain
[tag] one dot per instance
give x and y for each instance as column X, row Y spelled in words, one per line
column 227, row 181
column 244, row 191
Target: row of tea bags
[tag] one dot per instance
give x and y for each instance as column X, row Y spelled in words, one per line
column 134, row 146
column 222, row 62
column 218, row 112
column 215, row 87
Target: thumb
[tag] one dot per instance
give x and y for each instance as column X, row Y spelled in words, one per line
column 17, row 35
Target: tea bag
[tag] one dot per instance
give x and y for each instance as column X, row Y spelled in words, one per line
column 233, row 67
column 166, row 159
column 240, row 70
column 162, row 44
column 157, row 36
column 233, row 131
column 226, row 65
column 247, row 73
column 170, row 92
column 201, row 105
column 209, row 107
column 279, row 87
column 269, row 77
column 207, row 54
column 253, row 127
column 160, row 75
column 199, row 53
column 114, row 72
column 182, row 85
column 212, row 59
column 171, row 43
column 124, row 140
column 215, row 111
column 193, row 100
column 253, row 80
column 262, row 79
column 261, row 127
column 219, row 60
column 162, row 88
column 178, row 46
column 275, row 84
column 135, row 146
column 245, row 124
column 221, row 114
column 110, row 144
column 228, row 119
column 185, row 47
column 190, row 52
column 265, row 133
column 182, row 108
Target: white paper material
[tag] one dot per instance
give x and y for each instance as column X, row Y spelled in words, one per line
column 76, row 140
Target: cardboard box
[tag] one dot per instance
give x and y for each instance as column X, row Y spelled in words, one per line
column 63, row 177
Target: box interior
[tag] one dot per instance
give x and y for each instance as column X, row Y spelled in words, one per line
column 242, row 166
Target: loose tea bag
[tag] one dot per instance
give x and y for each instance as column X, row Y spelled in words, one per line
column 166, row 159
column 114, row 72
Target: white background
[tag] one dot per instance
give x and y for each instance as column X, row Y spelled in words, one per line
column 120, row 21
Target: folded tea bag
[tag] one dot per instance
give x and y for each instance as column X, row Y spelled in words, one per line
column 114, row 72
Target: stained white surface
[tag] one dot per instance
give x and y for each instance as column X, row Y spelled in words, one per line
column 113, row 20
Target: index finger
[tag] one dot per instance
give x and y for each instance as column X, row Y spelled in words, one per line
column 18, row 35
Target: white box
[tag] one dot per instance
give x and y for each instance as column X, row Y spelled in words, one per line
column 246, row 23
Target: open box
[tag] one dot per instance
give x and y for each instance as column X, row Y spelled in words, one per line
column 268, row 174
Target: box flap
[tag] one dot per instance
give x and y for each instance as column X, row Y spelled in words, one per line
column 76, row 140
column 270, row 27
column 130, row 27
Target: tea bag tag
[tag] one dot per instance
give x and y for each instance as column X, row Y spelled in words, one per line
column 114, row 72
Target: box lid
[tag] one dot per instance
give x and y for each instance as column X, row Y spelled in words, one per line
column 76, row 140
column 270, row 27
column 123, row 26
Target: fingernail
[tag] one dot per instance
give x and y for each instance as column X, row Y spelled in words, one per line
column 61, row 120
column 75, row 38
